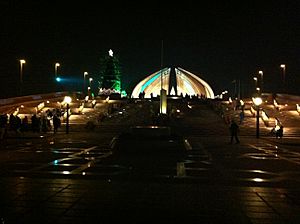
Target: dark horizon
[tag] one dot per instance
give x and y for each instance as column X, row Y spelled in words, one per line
column 218, row 42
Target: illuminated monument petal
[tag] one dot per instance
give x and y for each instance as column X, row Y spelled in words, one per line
column 152, row 84
column 187, row 83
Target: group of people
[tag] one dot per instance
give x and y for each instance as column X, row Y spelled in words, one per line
column 234, row 130
column 277, row 131
column 39, row 123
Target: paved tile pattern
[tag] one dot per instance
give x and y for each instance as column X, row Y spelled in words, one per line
column 76, row 201
column 71, row 179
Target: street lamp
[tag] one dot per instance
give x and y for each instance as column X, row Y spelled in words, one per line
column 90, row 83
column 84, row 74
column 261, row 79
column 22, row 62
column 255, row 79
column 56, row 66
column 257, row 102
column 67, row 100
column 283, row 75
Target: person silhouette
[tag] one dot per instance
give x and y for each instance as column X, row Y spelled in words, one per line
column 234, row 128
column 279, row 132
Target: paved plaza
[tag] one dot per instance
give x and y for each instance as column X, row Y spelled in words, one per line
column 74, row 178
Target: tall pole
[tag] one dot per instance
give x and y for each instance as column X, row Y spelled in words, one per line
column 255, row 79
column 67, row 100
column 161, row 63
column 234, row 81
column 161, row 78
column 257, row 121
column 22, row 61
column 67, row 123
column 283, row 75
column 261, row 80
column 239, row 93
column 84, row 74
column 257, row 102
column 55, row 69
column 90, row 85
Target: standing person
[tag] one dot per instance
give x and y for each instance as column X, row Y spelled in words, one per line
column 242, row 116
column 56, row 123
column 279, row 132
column 234, row 129
column 3, row 124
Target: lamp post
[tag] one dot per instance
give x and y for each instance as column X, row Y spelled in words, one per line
column 55, row 69
column 257, row 102
column 90, row 84
column 22, row 62
column 261, row 80
column 84, row 74
column 255, row 79
column 67, row 100
column 283, row 75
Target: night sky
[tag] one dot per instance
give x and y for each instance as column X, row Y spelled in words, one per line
column 219, row 42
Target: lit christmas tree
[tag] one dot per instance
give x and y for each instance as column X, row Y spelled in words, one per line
column 110, row 75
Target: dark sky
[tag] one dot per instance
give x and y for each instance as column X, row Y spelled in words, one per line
column 219, row 41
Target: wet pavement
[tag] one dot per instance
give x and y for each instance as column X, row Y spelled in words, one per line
column 74, row 178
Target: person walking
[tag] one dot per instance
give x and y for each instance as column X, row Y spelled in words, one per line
column 234, row 129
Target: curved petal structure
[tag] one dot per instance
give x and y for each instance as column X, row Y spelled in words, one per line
column 186, row 83
column 152, row 84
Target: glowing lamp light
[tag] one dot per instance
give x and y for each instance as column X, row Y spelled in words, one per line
column 298, row 107
column 58, row 79
column 67, row 99
column 257, row 101
column 258, row 180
